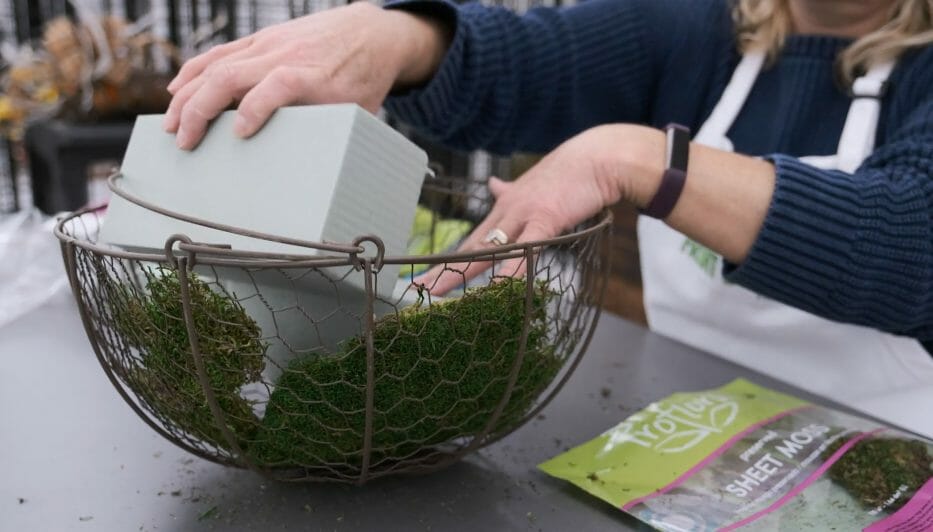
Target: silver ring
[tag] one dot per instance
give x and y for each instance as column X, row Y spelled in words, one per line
column 496, row 236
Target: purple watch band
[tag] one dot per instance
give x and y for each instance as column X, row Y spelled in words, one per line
column 675, row 173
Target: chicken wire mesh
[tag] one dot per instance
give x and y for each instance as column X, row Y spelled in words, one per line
column 296, row 366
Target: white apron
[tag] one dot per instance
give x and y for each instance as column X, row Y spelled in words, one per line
column 890, row 377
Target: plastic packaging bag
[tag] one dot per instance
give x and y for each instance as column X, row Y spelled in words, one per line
column 745, row 456
column 31, row 268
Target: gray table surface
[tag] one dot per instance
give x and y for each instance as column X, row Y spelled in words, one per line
column 73, row 456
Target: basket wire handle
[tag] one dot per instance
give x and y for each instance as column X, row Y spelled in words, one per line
column 191, row 249
column 136, row 200
column 376, row 263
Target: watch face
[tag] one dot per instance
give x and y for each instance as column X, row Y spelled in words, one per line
column 675, row 173
column 678, row 146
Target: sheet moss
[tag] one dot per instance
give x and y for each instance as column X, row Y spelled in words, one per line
column 876, row 468
column 166, row 377
column 440, row 371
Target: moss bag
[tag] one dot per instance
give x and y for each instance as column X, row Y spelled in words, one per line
column 742, row 456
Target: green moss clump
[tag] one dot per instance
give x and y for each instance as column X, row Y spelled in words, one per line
column 167, row 377
column 875, row 468
column 440, row 372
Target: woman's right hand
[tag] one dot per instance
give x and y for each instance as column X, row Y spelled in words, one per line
column 356, row 53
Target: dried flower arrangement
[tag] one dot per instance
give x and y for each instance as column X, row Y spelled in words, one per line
column 100, row 68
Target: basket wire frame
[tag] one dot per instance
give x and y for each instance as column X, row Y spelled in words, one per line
column 555, row 301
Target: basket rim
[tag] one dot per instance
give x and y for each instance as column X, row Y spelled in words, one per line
column 181, row 251
column 348, row 253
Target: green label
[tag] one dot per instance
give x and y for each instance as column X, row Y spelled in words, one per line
column 655, row 446
column 705, row 258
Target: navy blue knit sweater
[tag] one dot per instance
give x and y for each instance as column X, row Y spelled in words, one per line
column 850, row 247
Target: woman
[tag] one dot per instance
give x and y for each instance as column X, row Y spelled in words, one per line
column 809, row 174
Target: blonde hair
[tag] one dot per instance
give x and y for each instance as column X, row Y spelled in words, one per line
column 764, row 24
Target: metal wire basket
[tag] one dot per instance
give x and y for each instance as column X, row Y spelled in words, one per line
column 224, row 353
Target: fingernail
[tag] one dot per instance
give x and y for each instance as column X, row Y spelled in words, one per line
column 168, row 121
column 240, row 126
column 172, row 85
column 182, row 139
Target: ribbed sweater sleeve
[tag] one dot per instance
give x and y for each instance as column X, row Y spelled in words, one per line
column 528, row 82
column 857, row 247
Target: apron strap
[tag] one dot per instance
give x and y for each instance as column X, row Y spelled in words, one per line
column 857, row 139
column 713, row 132
column 858, row 135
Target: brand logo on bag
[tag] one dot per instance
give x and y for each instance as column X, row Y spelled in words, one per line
column 674, row 428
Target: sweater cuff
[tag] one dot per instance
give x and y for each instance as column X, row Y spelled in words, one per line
column 420, row 106
column 805, row 239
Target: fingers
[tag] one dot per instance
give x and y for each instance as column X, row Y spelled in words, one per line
column 173, row 114
column 445, row 277
column 283, row 86
column 196, row 65
column 261, row 88
column 532, row 232
column 334, row 56
column 499, row 187
column 210, row 95
column 217, row 76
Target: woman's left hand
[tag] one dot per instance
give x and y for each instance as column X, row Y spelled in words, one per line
column 592, row 170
